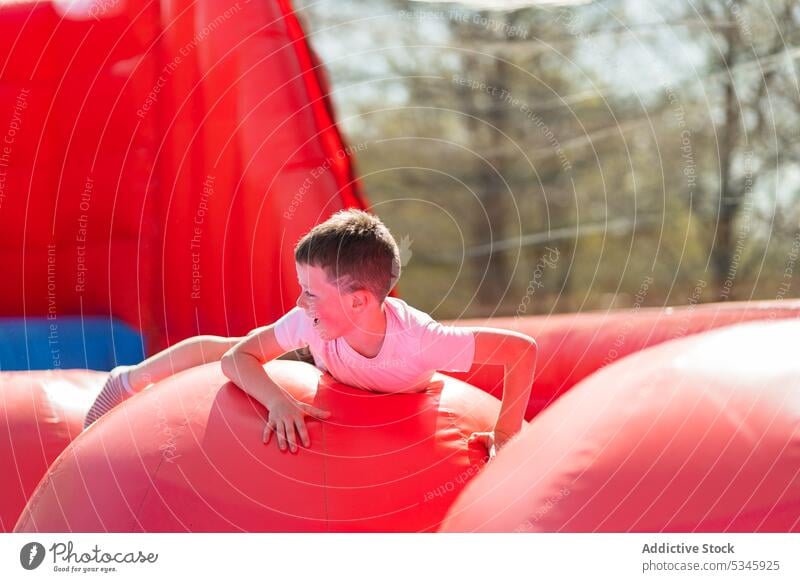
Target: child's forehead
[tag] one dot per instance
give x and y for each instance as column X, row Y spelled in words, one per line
column 311, row 276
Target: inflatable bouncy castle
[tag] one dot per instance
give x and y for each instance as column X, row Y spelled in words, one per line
column 161, row 160
column 153, row 149
column 695, row 435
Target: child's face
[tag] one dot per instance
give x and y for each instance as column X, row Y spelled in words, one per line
column 330, row 309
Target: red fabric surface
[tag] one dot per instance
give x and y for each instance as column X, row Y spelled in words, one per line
column 186, row 455
column 40, row 414
column 694, row 435
column 573, row 346
column 165, row 161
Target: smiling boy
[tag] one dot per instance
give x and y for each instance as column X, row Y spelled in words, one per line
column 346, row 267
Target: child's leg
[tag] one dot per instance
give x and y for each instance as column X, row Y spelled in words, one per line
column 186, row 354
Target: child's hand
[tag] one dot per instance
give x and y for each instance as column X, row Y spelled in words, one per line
column 286, row 416
column 493, row 441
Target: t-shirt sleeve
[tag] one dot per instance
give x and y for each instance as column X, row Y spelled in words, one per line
column 446, row 347
column 293, row 330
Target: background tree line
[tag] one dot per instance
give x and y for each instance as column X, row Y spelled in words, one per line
column 652, row 146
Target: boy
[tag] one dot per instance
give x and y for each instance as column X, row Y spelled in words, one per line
column 346, row 267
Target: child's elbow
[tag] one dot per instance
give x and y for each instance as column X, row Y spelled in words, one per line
column 228, row 364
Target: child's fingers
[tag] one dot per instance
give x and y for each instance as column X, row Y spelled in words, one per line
column 487, row 441
column 290, row 436
column 267, row 433
column 303, row 432
column 481, row 437
column 315, row 412
column 280, row 432
column 492, row 449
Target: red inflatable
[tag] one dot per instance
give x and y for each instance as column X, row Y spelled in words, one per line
column 160, row 161
column 186, row 455
column 573, row 346
column 696, row 435
column 40, row 413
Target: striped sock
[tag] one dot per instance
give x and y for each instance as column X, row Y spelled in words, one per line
column 116, row 390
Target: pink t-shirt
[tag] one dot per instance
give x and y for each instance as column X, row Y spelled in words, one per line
column 414, row 348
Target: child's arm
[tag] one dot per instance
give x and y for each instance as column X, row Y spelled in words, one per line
column 124, row 381
column 516, row 352
column 185, row 354
column 243, row 365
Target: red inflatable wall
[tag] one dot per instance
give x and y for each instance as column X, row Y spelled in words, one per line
column 698, row 434
column 163, row 160
column 41, row 412
column 573, row 346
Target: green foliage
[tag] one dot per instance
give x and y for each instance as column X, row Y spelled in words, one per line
column 657, row 146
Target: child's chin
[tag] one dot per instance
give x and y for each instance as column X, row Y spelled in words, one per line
column 327, row 335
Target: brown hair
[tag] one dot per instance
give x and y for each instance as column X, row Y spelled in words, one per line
column 356, row 251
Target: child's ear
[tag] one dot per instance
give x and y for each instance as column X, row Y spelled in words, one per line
column 360, row 300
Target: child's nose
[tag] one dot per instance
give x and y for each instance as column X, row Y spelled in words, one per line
column 301, row 302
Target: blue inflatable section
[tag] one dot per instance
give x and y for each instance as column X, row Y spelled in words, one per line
column 96, row 343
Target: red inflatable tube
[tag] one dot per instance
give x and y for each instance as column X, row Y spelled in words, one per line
column 696, row 435
column 573, row 346
column 40, row 413
column 186, row 455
